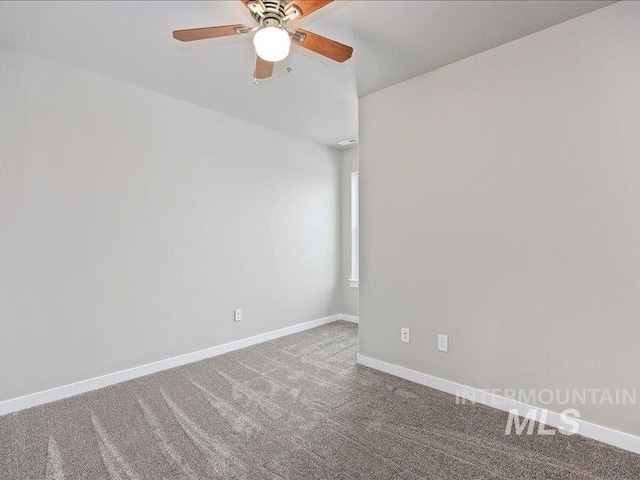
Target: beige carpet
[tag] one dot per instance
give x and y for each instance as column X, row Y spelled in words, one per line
column 296, row 407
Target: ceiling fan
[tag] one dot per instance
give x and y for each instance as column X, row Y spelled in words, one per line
column 272, row 40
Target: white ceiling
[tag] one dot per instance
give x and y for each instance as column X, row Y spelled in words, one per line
column 392, row 40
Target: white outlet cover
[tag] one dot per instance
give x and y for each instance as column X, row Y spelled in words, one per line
column 443, row 343
column 237, row 315
column 405, row 335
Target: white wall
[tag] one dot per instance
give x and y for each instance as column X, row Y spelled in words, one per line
column 349, row 163
column 500, row 204
column 132, row 224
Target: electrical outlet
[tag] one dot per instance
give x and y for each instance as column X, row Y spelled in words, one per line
column 404, row 335
column 443, row 343
column 237, row 315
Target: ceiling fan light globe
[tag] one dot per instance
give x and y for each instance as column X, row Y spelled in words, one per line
column 272, row 44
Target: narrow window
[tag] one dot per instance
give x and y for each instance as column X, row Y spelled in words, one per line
column 355, row 267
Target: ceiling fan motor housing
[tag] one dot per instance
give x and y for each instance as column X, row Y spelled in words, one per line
column 273, row 13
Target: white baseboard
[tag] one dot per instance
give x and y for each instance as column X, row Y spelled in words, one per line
column 58, row 393
column 603, row 434
column 349, row 318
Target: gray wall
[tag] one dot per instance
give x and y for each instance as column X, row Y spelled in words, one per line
column 501, row 206
column 349, row 294
column 132, row 224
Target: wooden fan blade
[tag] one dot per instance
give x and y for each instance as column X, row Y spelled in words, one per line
column 209, row 32
column 324, row 46
column 307, row 7
column 263, row 69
